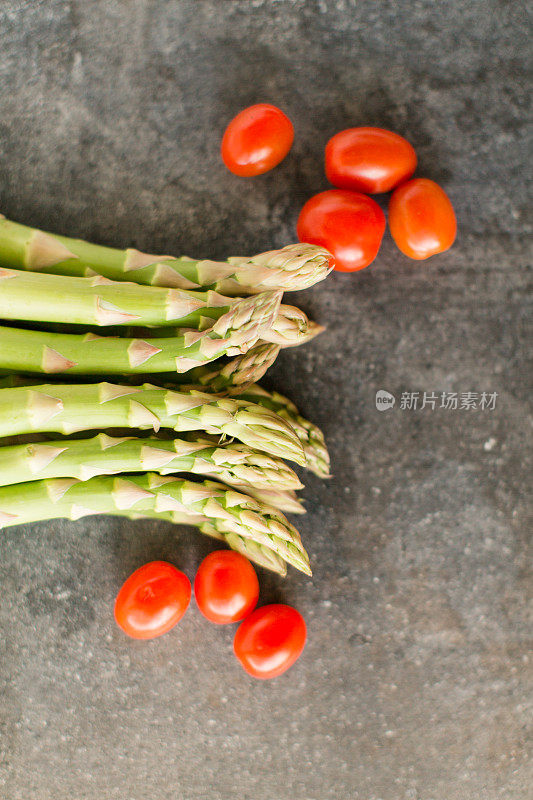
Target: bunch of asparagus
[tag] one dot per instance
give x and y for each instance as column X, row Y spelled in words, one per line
column 206, row 445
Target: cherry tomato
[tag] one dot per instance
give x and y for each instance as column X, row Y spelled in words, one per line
column 256, row 140
column 226, row 587
column 421, row 219
column 348, row 224
column 370, row 160
column 270, row 640
column 152, row 600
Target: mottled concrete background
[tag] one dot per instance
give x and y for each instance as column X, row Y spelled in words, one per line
column 414, row 684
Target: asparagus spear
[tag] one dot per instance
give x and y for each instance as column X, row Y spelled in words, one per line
column 232, row 463
column 309, row 434
column 233, row 376
column 230, row 376
column 293, row 267
column 67, row 408
column 258, row 553
column 285, row 500
column 208, row 378
column 72, row 499
column 98, row 301
column 233, row 333
column 222, row 380
column 291, row 327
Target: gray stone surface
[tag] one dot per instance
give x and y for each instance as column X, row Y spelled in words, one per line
column 415, row 681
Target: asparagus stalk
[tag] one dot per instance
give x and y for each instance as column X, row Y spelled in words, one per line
column 43, row 352
column 72, row 499
column 230, row 376
column 98, row 301
column 67, row 408
column 236, row 374
column 285, row 500
column 258, row 553
column 291, row 327
column 309, row 434
column 293, row 267
column 208, row 379
column 232, row 463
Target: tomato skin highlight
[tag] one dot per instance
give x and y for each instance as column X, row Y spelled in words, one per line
column 270, row 640
column 152, row 600
column 226, row 587
column 421, row 219
column 256, row 140
column 348, row 224
column 370, row 160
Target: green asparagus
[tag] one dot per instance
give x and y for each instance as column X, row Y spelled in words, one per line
column 233, row 376
column 293, row 267
column 309, row 434
column 73, row 499
column 226, row 376
column 44, row 352
column 100, row 302
column 209, row 379
column 285, row 500
column 258, row 553
column 68, row 408
column 290, row 328
column 232, row 463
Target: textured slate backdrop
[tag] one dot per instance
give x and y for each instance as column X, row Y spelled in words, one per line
column 414, row 685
